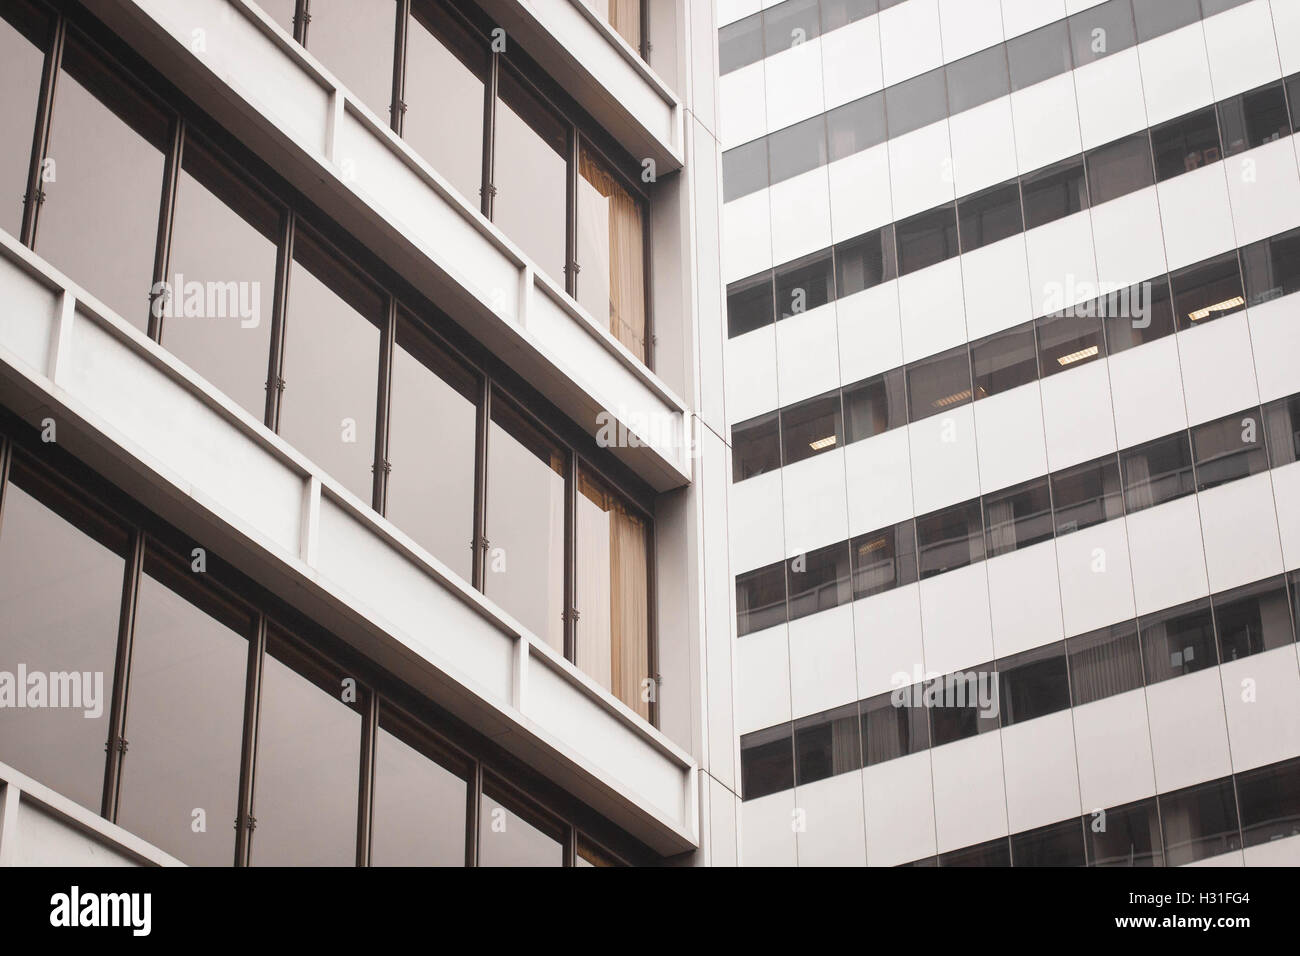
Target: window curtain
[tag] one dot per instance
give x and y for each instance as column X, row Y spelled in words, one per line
column 1002, row 527
column 1137, row 472
column 845, row 746
column 625, row 18
column 626, row 257
column 1106, row 670
column 629, row 607
column 887, row 735
column 1281, row 435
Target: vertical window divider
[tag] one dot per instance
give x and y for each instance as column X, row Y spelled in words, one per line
column 571, row 267
column 488, row 189
column 570, row 559
column 479, row 540
column 397, row 109
column 383, row 411
column 245, row 822
column 166, row 217
column 35, row 195
column 652, row 599
column 473, row 803
column 301, row 17
column 115, row 746
column 366, row 778
column 275, row 361
column 570, row 845
column 6, row 452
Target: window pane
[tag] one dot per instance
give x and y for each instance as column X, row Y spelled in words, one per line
column 1186, row 143
column 978, row 79
column 1060, row 844
column 331, row 365
column 1125, row 836
column 744, row 170
column 1157, row 472
column 811, row 427
column 1283, row 422
column 819, row 580
column 1229, row 449
column 525, row 523
column 1207, row 290
column 419, row 811
column 760, row 599
column 788, row 23
column 1199, row 822
column 354, row 39
column 1272, row 267
column 1158, row 17
column 894, row 724
column 611, row 254
column 1119, row 168
column 1018, row 517
column 1178, row 641
column 740, row 43
column 1104, row 663
column 766, row 761
column 623, row 15
column 1004, row 361
column 1087, row 494
column 797, row 149
column 826, row 745
column 107, row 144
column 1069, row 339
column 24, row 32
column 804, row 285
column 184, row 716
column 511, row 835
column 1270, row 802
column 1033, row 684
column 445, row 67
column 281, row 11
column 962, row 704
column 60, row 596
column 874, row 406
column 308, row 755
column 838, row 13
column 856, row 126
column 613, row 593
column 989, row 216
column 993, row 853
column 1138, row 314
column 431, row 445
column 916, row 103
column 884, row 559
column 950, row 539
column 1054, row 193
column 531, row 176
column 749, row 304
column 937, row 384
column 216, row 313
column 865, row 262
column 755, row 447
column 1253, row 619
column 1253, row 119
column 927, row 239
column 1098, row 32
column 1040, row 55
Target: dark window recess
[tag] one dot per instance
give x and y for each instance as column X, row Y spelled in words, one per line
column 1033, row 684
column 1104, row 663
column 840, row 13
column 760, row 599
column 1004, row 361
column 1098, row 32
column 1054, row 193
column 1087, row 494
column 797, row 149
column 1157, row 472
column 939, row 383
column 883, row 560
column 1178, row 641
column 744, row 170
column 1272, row 267
column 1253, row 119
column 826, row 745
column 977, row 79
column 994, row 853
column 1058, row 844
column 1018, row 517
column 927, row 239
column 865, row 262
column 1039, row 55
column 755, row 447
column 1069, row 339
column 1141, row 313
column 1155, row 18
column 857, row 126
column 740, row 43
column 766, row 762
column 1207, row 290
column 894, row 725
column 1253, row 619
column 819, row 580
column 749, row 304
column 1125, row 836
column 804, row 285
column 1282, row 419
column 811, row 427
column 949, row 539
column 1270, row 802
column 1119, row 168
column 874, row 406
column 962, row 704
column 916, row 103
column 989, row 216
column 1229, row 448
column 1293, row 97
column 1199, row 822
column 1186, row 143
column 788, row 24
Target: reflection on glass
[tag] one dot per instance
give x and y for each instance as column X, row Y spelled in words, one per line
column 23, row 33
column 419, row 812
column 611, row 254
column 354, row 39
column 514, row 837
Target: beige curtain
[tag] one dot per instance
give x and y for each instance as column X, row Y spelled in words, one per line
column 625, row 18
column 629, row 607
column 626, row 257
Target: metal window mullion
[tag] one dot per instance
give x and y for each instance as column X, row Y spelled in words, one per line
column 479, row 540
column 115, row 745
column 571, row 558
column 383, row 410
column 301, row 17
column 473, row 805
column 245, row 822
column 397, row 108
column 366, row 779
column 571, row 266
column 35, row 195
column 166, row 220
column 652, row 598
column 488, row 189
column 279, row 309
column 570, row 845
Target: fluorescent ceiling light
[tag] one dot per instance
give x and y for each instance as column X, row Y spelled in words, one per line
column 1078, row 356
column 952, row 399
column 1205, row 313
column 821, row 443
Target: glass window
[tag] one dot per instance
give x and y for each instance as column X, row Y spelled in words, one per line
column 1272, row 267
column 789, row 23
column 281, row 11
column 749, row 304
column 1119, row 168
column 1004, row 361
column 354, row 39
column 1059, row 844
column 61, row 569
column 950, row 539
column 1199, row 822
column 589, row 854
column 1069, row 339
column 1054, row 193
column 977, row 79
column 1087, row 494
column 1253, row 119
column 510, row 833
column 927, row 239
column 916, row 103
column 1138, row 314
column 331, row 365
column 767, row 761
column 613, row 593
column 989, row 216
column 805, row 284
column 827, row 744
column 1104, row 663
column 755, row 447
column 216, row 308
column 1033, row 684
column 1207, row 290
column 1178, row 641
column 865, row 262
column 760, row 599
column 1157, row 472
column 623, row 15
column 1158, row 17
column 1186, row 143
column 1253, row 619
column 1040, row 55
column 531, row 176
column 744, row 170
column 856, row 126
column 445, row 71
column 883, row 559
column 432, row 428
column 24, row 33
column 1270, row 802
column 308, row 752
column 185, row 716
column 1098, row 32
column 1228, row 449
column 419, row 803
column 993, row 853
column 839, row 13
column 937, row 384
column 962, row 704
column 1293, row 97
column 740, row 43
column 894, row 724
column 811, row 428
column 1018, row 517
column 107, row 145
column 1282, row 419
column 797, row 149
column 819, row 580
column 611, row 254
column 1125, row 836
column 525, row 523
column 875, row 406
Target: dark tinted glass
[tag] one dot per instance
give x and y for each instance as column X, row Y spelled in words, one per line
column 1104, row 663
column 788, row 24
column 977, row 79
column 744, row 170
column 1253, row 119
column 1119, row 168
column 1098, row 32
column 1293, row 97
column 916, row 103
column 419, row 814
column 1186, row 143
column 812, row 427
column 797, row 149
column 1040, row 55
column 511, row 833
column 766, row 761
column 1018, row 517
column 949, row 539
column 1157, row 472
column 1253, row 619
column 1229, row 448
column 1087, row 494
column 804, row 285
column 1068, row 340
column 827, row 744
column 1270, row 802
column 856, row 126
column 1272, row 267
column 1124, row 836
column 1033, row 684
column 994, row 853
column 989, row 216
column 962, row 704
column 749, row 304
column 927, row 239
column 24, row 32
column 937, row 384
column 865, row 261
column 1138, row 314
column 1178, row 641
column 1059, row 844
column 1054, row 193
column 1158, row 17
column 1282, row 419
column 1004, row 360
column 1199, row 822
column 755, row 447
column 838, row 13
column 740, row 43
column 874, row 406
column 1207, row 290
column 760, row 599
column 819, row 580
column 894, row 725
column 883, row 559
column 354, row 39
